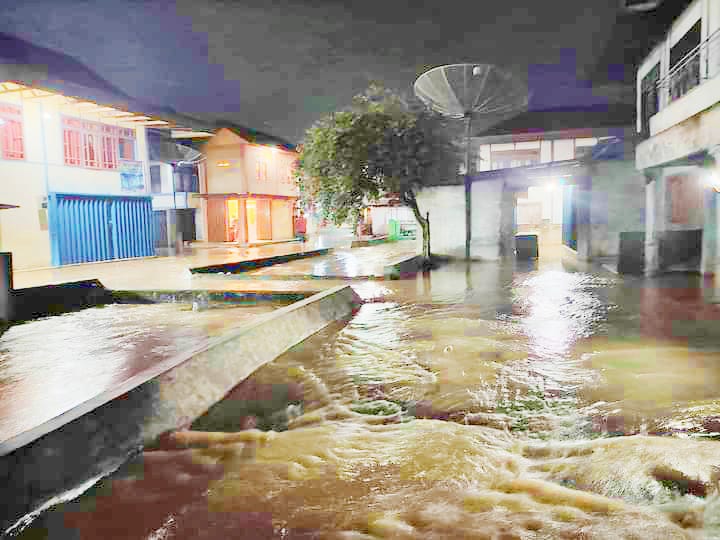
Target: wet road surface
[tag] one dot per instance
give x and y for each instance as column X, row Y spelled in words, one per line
column 480, row 401
column 50, row 366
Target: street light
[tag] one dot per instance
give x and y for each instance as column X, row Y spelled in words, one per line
column 713, row 181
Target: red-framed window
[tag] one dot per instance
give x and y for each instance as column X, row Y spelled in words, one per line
column 11, row 132
column 96, row 145
column 91, row 144
column 261, row 170
column 73, row 141
column 109, row 147
column 126, row 144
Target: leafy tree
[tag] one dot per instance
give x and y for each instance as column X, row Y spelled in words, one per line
column 382, row 144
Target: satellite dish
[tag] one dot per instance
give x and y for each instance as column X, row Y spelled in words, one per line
column 459, row 90
column 466, row 90
column 641, row 6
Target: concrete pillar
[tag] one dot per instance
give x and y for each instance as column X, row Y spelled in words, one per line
column 508, row 225
column 584, row 221
column 709, row 260
column 171, row 231
column 654, row 223
column 242, row 220
column 6, row 287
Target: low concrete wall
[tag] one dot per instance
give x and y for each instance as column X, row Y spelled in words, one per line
column 97, row 437
column 254, row 264
column 446, row 204
column 35, row 302
column 192, row 296
column 403, row 267
column 370, row 241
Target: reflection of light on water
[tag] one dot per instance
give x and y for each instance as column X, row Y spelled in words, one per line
column 349, row 264
column 371, row 290
column 560, row 310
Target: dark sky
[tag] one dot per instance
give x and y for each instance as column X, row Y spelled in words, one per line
column 276, row 66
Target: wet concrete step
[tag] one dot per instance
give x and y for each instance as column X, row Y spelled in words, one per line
column 253, row 264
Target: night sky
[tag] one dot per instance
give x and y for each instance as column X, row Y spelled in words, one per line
column 276, row 66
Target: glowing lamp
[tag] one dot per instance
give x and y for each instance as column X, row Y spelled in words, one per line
column 713, row 181
column 223, row 164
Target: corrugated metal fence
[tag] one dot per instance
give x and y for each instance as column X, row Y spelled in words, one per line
column 87, row 228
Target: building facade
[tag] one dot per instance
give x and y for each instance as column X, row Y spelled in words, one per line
column 576, row 189
column 79, row 173
column 248, row 190
column 174, row 184
column 678, row 89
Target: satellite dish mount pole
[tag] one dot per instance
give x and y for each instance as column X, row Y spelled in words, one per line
column 468, row 187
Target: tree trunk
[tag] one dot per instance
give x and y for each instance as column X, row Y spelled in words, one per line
column 424, row 224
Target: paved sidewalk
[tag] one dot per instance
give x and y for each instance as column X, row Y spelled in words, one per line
column 173, row 273
column 341, row 263
column 159, row 273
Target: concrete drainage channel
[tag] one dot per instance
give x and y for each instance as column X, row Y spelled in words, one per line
column 74, row 449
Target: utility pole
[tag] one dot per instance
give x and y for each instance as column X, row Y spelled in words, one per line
column 468, row 187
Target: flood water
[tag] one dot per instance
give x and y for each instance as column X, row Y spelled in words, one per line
column 52, row 365
column 481, row 401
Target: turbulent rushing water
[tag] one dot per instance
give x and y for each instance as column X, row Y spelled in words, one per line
column 468, row 403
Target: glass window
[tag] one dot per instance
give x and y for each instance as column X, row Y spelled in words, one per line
column 11, row 132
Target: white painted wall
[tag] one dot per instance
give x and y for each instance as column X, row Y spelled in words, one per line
column 529, row 212
column 699, row 98
column 282, row 220
column 545, row 151
column 486, row 219
column 381, row 216
column 279, row 164
column 446, row 205
column 27, row 182
column 618, row 201
column 563, row 149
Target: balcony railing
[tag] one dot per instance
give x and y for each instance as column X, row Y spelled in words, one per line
column 700, row 64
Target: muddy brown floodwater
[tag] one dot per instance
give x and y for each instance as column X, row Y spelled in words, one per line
column 471, row 402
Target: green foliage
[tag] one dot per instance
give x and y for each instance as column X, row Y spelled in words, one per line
column 381, row 144
column 379, row 407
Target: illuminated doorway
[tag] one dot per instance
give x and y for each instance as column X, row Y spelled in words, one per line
column 540, row 212
column 233, row 220
column 251, row 208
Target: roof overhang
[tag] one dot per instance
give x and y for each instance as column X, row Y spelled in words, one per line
column 122, row 117
column 516, row 178
column 190, row 134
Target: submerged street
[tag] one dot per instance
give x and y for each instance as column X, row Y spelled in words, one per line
column 360, row 270
column 488, row 400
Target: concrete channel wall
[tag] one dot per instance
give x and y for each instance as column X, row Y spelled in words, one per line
column 95, row 438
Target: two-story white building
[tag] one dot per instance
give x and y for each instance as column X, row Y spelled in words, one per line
column 248, row 189
column 78, row 172
column 678, row 91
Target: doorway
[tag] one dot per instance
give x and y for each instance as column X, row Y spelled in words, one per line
column 539, row 212
column 232, row 211
column 251, row 209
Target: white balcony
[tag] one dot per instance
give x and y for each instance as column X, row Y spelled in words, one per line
column 690, row 87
